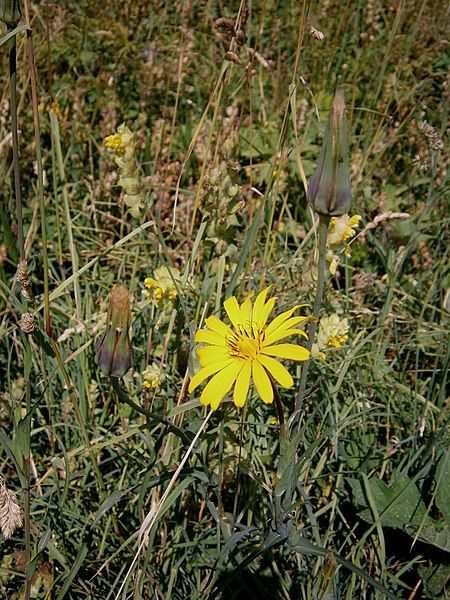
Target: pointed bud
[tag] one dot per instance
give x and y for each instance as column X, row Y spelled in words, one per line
column 329, row 191
column 113, row 352
column 10, row 12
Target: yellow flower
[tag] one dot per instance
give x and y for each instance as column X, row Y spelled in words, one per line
column 115, row 143
column 161, row 288
column 123, row 145
column 244, row 350
column 333, row 333
column 342, row 228
column 152, row 377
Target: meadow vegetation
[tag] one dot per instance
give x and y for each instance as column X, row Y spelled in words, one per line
column 158, row 189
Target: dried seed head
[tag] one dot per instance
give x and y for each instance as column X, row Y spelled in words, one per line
column 23, row 279
column 241, row 38
column 26, row 323
column 113, row 352
column 329, row 191
column 315, row 33
column 10, row 511
column 22, row 272
column 226, row 25
column 434, row 137
column 232, row 57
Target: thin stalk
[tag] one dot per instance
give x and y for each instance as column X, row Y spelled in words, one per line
column 12, row 48
column 324, row 222
column 40, row 170
column 282, row 433
column 26, row 467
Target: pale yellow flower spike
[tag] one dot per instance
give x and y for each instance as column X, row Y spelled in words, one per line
column 161, row 288
column 333, row 333
column 246, row 351
column 341, row 229
column 123, row 146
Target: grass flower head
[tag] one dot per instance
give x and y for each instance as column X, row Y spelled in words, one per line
column 246, row 350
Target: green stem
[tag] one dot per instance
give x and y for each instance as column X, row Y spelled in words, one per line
column 279, row 407
column 324, row 222
column 26, row 468
column 124, row 397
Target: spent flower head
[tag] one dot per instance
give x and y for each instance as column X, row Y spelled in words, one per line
column 243, row 351
column 333, row 333
column 162, row 289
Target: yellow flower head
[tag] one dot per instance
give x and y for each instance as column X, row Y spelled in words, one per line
column 114, row 142
column 244, row 351
column 161, row 288
column 333, row 333
column 342, row 229
column 122, row 141
column 152, row 377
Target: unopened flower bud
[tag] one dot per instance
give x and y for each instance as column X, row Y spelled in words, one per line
column 113, row 352
column 329, row 191
column 10, row 12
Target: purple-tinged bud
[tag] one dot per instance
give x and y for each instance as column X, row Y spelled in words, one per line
column 113, row 352
column 329, row 191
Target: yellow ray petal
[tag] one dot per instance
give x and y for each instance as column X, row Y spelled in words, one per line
column 265, row 312
column 242, row 384
column 211, row 354
column 289, row 323
column 221, row 384
column 262, row 382
column 207, row 372
column 291, row 351
column 280, row 334
column 216, row 325
column 246, row 309
column 233, row 311
column 279, row 320
column 259, row 304
column 277, row 370
column 210, row 337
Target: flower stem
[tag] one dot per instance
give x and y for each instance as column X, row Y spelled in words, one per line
column 324, row 222
column 279, row 406
column 277, row 499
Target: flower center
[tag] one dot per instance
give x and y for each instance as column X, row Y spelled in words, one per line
column 245, row 342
